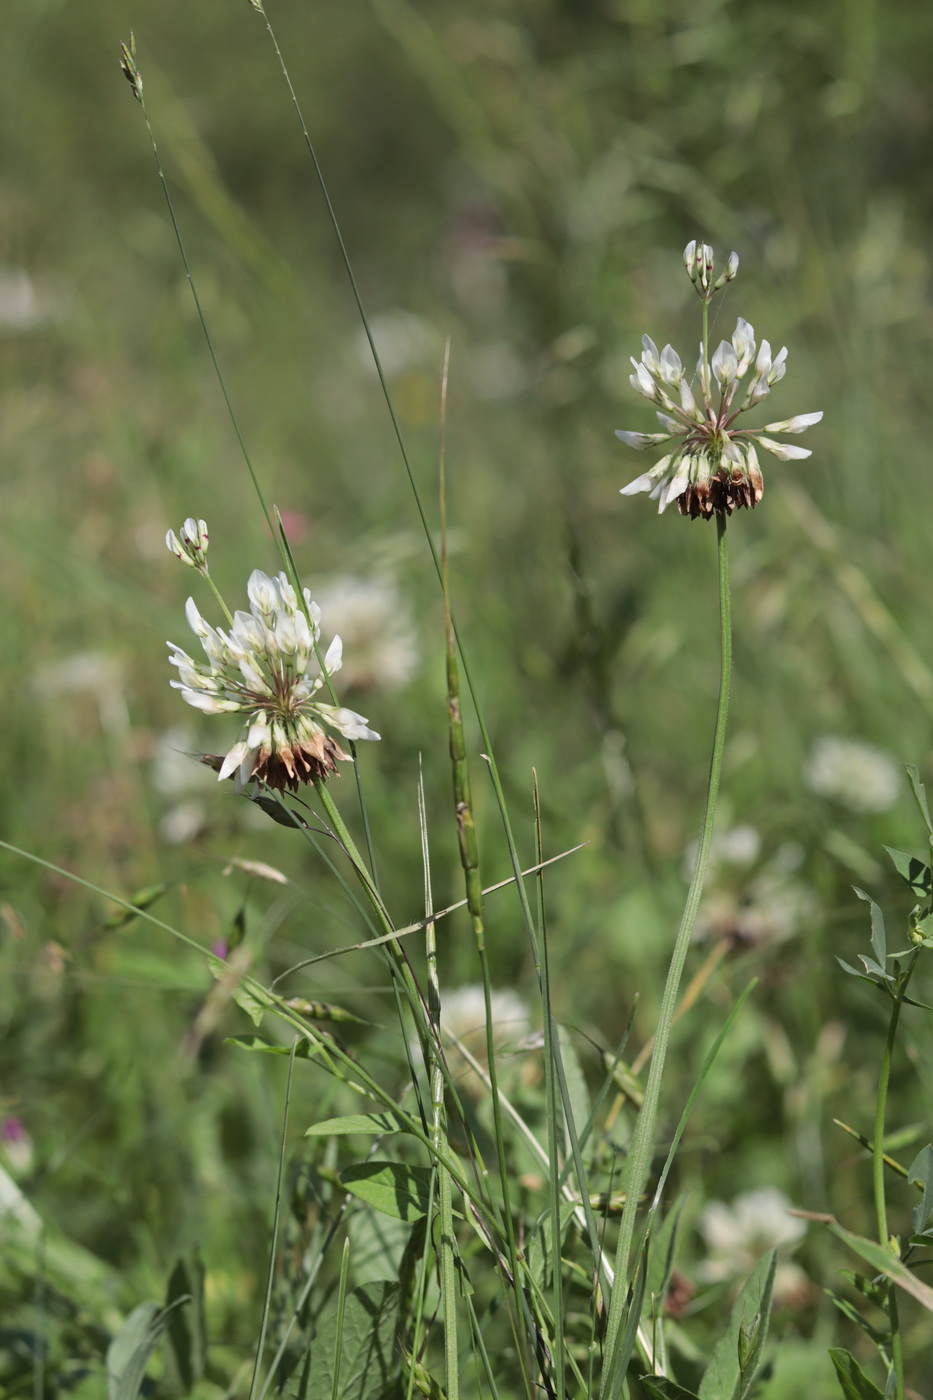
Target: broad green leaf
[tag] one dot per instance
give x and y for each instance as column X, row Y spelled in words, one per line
column 369, row 1352
column 186, row 1337
column 855, row 1384
column 395, row 1188
column 913, row 871
column 921, row 1170
column 737, row 1355
column 885, row 1263
column 660, row 1388
column 129, row 1352
column 388, row 1121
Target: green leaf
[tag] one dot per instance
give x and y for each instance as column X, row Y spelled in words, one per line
column 855, row 1384
column 921, row 1171
column 369, row 1353
column 660, row 1388
column 129, row 1352
column 304, row 1049
column 920, row 793
column 395, row 1188
column 913, row 872
column 187, row 1340
column 886, row 1263
column 727, row 1377
column 878, row 938
column 389, row 1121
column 661, row 1253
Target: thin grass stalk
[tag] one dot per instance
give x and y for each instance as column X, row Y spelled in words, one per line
column 550, row 1097
column 279, row 536
column 419, row 504
column 341, row 1311
column 643, row 1139
column 446, row 1249
column 270, row 1276
column 469, row 860
column 881, row 1209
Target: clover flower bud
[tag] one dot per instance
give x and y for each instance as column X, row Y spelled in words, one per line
column 190, row 544
column 732, row 267
column 690, row 259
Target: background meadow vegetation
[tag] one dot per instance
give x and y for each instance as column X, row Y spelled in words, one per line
column 521, row 175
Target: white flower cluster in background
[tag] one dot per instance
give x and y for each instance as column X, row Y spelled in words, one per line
column 854, row 774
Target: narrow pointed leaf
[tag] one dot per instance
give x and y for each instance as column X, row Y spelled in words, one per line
column 724, row 1378
column 885, row 1263
column 878, row 939
column 920, row 793
column 129, row 1353
column 855, row 1384
column 186, row 1338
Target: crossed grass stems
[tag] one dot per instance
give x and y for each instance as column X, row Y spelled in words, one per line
column 536, row 1319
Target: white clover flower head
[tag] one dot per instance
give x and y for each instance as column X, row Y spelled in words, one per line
column 852, row 773
column 712, row 467
column 266, row 668
column 738, row 1235
column 190, row 544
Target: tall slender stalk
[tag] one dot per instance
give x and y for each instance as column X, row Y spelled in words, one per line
column 643, row 1139
column 881, row 1210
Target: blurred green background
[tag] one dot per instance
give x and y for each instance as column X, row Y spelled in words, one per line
column 521, row 175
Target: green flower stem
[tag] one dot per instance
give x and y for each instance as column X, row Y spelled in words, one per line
column 881, row 1210
column 642, row 1147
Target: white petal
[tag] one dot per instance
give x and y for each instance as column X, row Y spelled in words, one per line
column 677, row 484
column 649, row 354
column 334, row 658
column 262, row 592
column 233, row 760
column 794, row 425
column 641, row 440
column 724, row 363
column 641, row 483
column 785, row 450
column 347, row 722
column 671, row 367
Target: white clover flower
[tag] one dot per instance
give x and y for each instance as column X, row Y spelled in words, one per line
column 266, row 668
column 714, row 468
column 856, row 775
column 738, row 1235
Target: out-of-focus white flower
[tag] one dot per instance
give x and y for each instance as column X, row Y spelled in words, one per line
column 377, row 630
column 463, row 1017
column 767, row 907
column 26, row 304
column 713, row 466
column 402, row 341
column 737, row 1235
column 739, row 846
column 854, row 774
column 93, row 674
column 266, row 668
